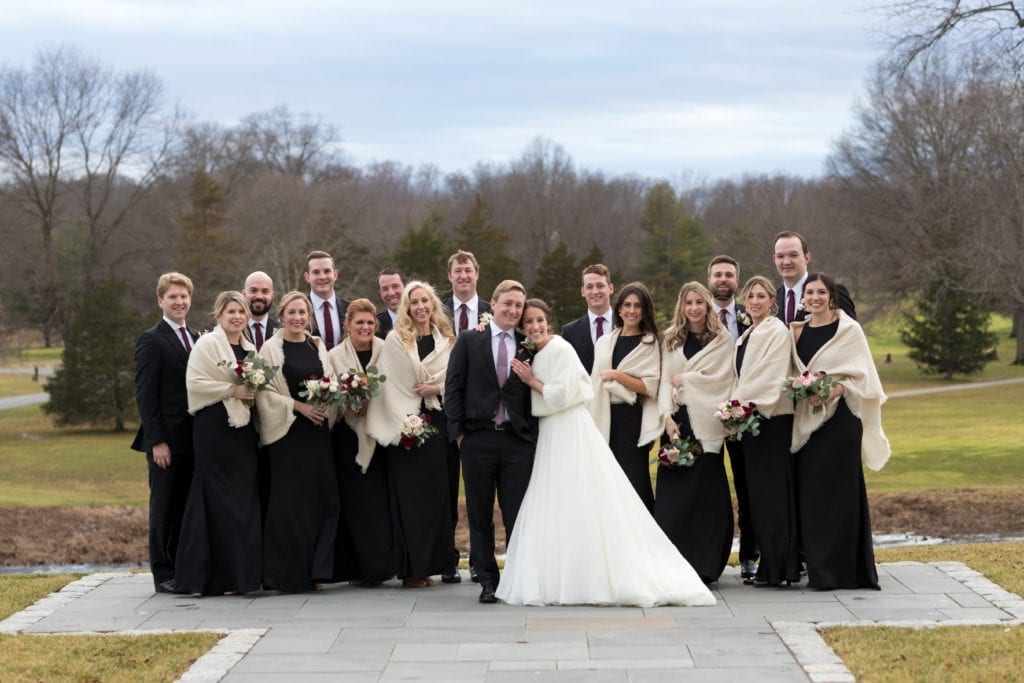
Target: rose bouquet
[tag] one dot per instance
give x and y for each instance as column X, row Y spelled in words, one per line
column 679, row 453
column 416, row 429
column 321, row 392
column 739, row 419
column 805, row 385
column 357, row 388
column 252, row 371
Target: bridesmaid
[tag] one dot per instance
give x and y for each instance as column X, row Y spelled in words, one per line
column 364, row 554
column 693, row 505
column 415, row 359
column 219, row 550
column 627, row 370
column 762, row 358
column 831, row 442
column 302, row 510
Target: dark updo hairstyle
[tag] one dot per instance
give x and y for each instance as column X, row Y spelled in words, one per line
column 830, row 285
column 537, row 303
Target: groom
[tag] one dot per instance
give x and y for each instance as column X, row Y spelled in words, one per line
column 488, row 410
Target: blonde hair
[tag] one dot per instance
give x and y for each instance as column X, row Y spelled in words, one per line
column 173, row 278
column 769, row 287
column 506, row 286
column 679, row 330
column 292, row 296
column 404, row 326
column 225, row 298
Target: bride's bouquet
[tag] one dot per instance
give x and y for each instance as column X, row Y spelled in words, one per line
column 357, row 388
column 679, row 453
column 805, row 385
column 416, row 429
column 739, row 419
column 252, row 371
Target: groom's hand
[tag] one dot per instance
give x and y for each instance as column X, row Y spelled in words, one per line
column 458, row 441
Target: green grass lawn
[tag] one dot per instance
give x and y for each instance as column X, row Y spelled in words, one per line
column 18, row 385
column 45, row 465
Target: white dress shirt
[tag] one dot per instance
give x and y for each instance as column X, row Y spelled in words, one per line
column 318, row 311
column 734, row 329
column 472, row 311
column 176, row 327
column 607, row 316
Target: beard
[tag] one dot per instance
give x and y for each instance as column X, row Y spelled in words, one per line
column 259, row 306
column 723, row 293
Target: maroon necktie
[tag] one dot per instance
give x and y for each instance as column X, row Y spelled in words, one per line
column 184, row 338
column 328, row 326
column 502, row 374
column 723, row 315
column 790, row 307
column 600, row 328
column 463, row 318
column 258, row 335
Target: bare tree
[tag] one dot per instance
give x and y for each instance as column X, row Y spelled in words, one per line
column 79, row 142
column 920, row 26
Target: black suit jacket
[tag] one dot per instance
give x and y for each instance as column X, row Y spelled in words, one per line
column 160, row 363
column 845, row 303
column 340, row 305
column 471, row 391
column 449, row 310
column 383, row 324
column 270, row 324
column 577, row 333
column 740, row 327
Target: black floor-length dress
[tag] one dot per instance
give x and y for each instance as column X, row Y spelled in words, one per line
column 835, row 524
column 692, row 504
column 418, row 484
column 220, row 545
column 626, row 421
column 772, row 494
column 302, row 511
column 364, row 547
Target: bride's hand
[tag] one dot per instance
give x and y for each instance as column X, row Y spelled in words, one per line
column 523, row 371
column 672, row 429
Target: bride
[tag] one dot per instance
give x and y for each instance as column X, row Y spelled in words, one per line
column 583, row 537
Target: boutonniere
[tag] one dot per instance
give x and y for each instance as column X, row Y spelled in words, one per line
column 743, row 318
column 800, row 308
column 201, row 333
column 529, row 346
column 485, row 318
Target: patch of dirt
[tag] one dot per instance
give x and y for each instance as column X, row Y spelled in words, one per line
column 118, row 534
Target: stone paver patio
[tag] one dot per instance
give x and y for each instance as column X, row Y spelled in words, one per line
column 444, row 634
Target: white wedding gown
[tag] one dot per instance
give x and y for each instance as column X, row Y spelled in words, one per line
column 583, row 537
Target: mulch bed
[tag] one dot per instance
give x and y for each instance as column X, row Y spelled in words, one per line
column 118, row 534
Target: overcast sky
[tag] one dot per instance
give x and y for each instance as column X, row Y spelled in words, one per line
column 716, row 88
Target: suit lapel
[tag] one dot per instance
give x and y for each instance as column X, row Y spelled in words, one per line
column 172, row 337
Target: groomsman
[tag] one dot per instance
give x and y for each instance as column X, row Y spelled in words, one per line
column 165, row 432
column 390, row 282
column 488, row 410
column 584, row 332
column 791, row 259
column 259, row 292
column 464, row 308
column 328, row 308
column 723, row 280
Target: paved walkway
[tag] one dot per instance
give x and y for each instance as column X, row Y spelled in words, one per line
column 444, row 634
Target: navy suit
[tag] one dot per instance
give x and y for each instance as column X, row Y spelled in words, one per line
column 160, row 364
column 491, row 459
column 577, row 333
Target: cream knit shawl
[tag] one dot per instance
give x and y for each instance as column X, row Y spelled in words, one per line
column 707, row 379
column 275, row 403
column 644, row 363
column 207, row 384
column 343, row 358
column 404, row 369
column 766, row 365
column 847, row 357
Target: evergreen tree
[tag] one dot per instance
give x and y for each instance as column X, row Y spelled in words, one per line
column 206, row 253
column 95, row 383
column 594, row 256
column 558, row 284
column 949, row 333
column 674, row 248
column 489, row 244
column 422, row 253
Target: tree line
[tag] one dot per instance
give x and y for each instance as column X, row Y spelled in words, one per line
column 103, row 185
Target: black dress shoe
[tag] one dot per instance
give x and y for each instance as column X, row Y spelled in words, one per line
column 454, row 577
column 487, row 595
column 473, row 575
column 165, row 586
column 748, row 568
